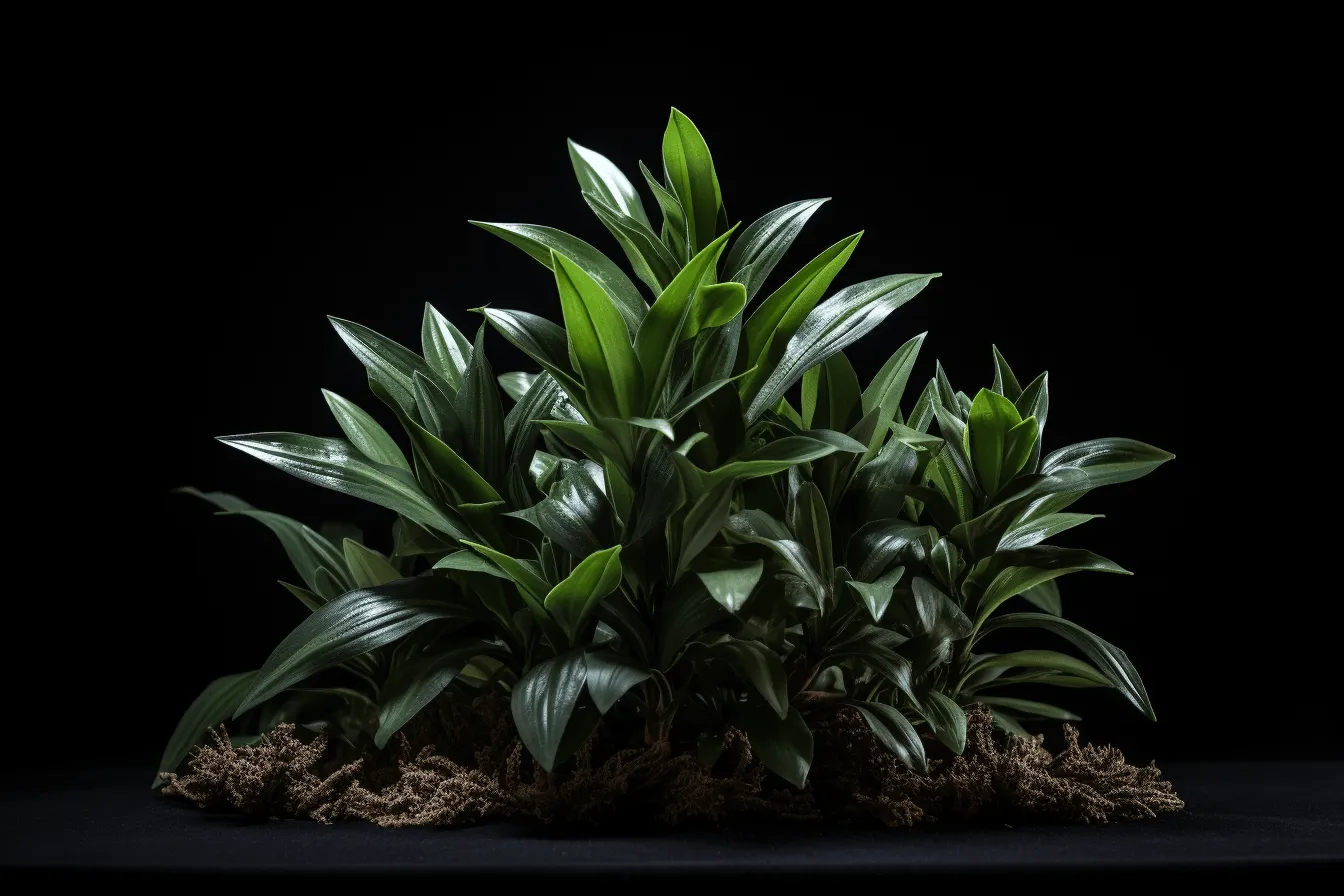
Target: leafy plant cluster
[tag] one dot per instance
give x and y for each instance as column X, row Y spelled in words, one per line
column 655, row 533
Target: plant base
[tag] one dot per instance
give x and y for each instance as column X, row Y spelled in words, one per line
column 457, row 766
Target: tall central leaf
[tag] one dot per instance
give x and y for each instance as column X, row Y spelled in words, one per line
column 599, row 346
column 690, row 175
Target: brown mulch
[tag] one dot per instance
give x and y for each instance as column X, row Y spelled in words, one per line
column 456, row 765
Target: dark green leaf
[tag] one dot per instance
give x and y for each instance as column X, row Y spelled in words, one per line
column 757, row 665
column 674, row 218
column 1004, row 382
column 784, row 745
column 1046, row 597
column 732, row 585
column 468, row 486
column 469, row 561
column 543, row 702
column 811, row 525
column 1035, row 402
column 1033, row 532
column 391, row 365
column 780, row 315
column 877, row 545
column 1029, row 707
column 539, row 242
column 830, row 327
column 781, row 454
column 1040, row 659
column 437, row 411
column 884, row 393
column 354, row 623
column 876, row 595
column 576, row 514
column 307, row 598
column 703, row 522
column 1107, row 461
column 364, row 432
column 447, row 351
column 416, row 683
column 543, row 342
column 763, row 244
column 1019, row 570
column 334, row 464
column 895, row 732
column 215, row 704
column 479, row 408
column 1110, row 659
column 610, row 676
column 946, row 719
column 648, row 255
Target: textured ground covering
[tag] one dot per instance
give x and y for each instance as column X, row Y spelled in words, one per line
column 457, row 766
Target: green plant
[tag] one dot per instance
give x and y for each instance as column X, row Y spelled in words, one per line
column 655, row 533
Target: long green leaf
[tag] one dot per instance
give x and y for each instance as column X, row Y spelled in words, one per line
column 216, row 703
column 894, row 731
column 1005, row 383
column 946, row 719
column 876, row 596
column 763, row 244
column 392, row 365
column 783, row 745
column 833, row 325
column 364, row 432
column 543, row 703
column 785, row 309
column 412, row 687
column 1110, row 659
column 573, row 600
column 647, row 254
column 1039, row 659
column 1108, row 461
column 540, row 242
column 334, row 464
column 543, row 342
column 1029, row 707
column 758, row 666
column 1033, row 532
column 368, row 568
column 660, row 333
column 1023, row 569
column 597, row 175
column 611, row 676
column 781, row 454
column 691, row 176
column 884, row 393
column 352, row 624
column 599, row 344
column 447, row 351
column 468, row 486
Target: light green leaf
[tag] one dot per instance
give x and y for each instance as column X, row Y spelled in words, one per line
column 763, row 244
column 611, row 676
column 215, row 704
column 364, row 432
column 1017, row 448
column 468, row 561
column 352, row 624
column 1110, row 659
column 714, row 305
column 691, row 176
column 468, row 486
column 784, row 745
column 658, row 425
column 447, row 351
column 334, row 464
column 515, row 383
column 368, row 567
column 894, row 731
column 674, row 218
column 732, row 585
column 391, row 365
column 539, row 242
column 659, row 335
column 991, row 419
column 599, row 344
column 597, row 175
column 543, row 702
column 780, row 315
column 573, row 600
column 830, row 327
column 530, row 584
column 876, row 596
column 307, row 598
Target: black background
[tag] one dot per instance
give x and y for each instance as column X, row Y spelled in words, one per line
column 1058, row 238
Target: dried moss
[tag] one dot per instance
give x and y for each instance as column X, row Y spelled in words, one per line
column 456, row 766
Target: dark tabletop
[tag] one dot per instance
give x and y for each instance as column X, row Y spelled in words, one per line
column 1241, row 819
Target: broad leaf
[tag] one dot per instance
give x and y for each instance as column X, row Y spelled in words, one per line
column 515, row 383
column 1046, row 597
column 543, row 342
column 876, row 596
column 364, row 432
column 783, row 745
column 416, row 683
column 470, row 561
column 610, row 676
column 597, row 175
column 780, row 315
column 215, row 704
column 334, row 464
column 986, row 438
column 1033, row 532
column 946, row 719
column 543, row 703
column 352, row 624
column 894, row 731
column 1107, row 461
column 1110, row 659
column 572, row 601
column 758, row 666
